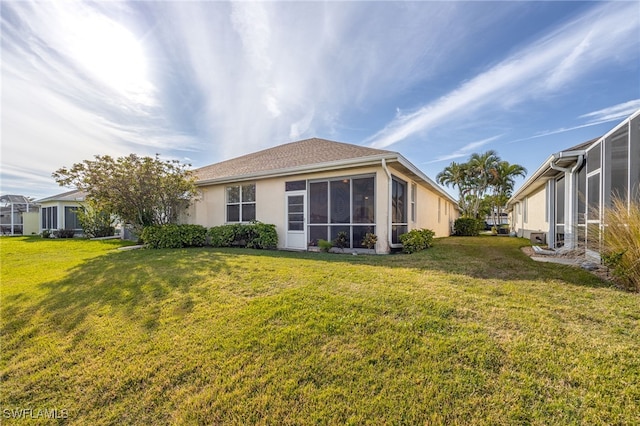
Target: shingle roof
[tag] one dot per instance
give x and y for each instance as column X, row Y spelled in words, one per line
column 583, row 145
column 73, row 195
column 302, row 153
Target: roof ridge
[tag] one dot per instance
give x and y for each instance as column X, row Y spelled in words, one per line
column 305, row 152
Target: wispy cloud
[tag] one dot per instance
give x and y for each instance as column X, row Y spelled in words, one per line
column 548, row 65
column 605, row 115
column 466, row 150
column 615, row 112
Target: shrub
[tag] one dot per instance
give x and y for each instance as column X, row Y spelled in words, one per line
column 256, row 235
column 467, row 226
column 46, row 233
column 416, row 240
column 262, row 236
column 95, row 223
column 174, row 236
column 369, row 241
column 342, row 240
column 325, row 245
column 621, row 243
column 222, row 236
column 64, row 233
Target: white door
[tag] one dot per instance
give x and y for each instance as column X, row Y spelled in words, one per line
column 296, row 213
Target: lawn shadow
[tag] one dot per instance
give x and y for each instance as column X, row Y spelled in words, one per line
column 126, row 281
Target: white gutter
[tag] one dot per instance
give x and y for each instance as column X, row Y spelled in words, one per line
column 389, row 190
column 560, row 155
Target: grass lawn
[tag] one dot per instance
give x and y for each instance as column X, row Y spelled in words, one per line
column 471, row 331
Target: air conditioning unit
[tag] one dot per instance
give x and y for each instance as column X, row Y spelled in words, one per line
column 538, row 238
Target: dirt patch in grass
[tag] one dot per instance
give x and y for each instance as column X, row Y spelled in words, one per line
column 578, row 260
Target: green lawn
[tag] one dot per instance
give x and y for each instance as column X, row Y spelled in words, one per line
column 471, row 331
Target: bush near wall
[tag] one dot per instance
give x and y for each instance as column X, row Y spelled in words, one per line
column 467, row 227
column 174, row 236
column 416, row 240
column 253, row 235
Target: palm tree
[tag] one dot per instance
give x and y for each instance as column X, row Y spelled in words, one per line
column 456, row 175
column 503, row 183
column 482, row 170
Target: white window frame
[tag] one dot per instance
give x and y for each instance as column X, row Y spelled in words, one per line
column 240, row 203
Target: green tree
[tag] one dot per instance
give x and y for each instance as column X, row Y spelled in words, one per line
column 95, row 222
column 141, row 191
column 456, row 176
column 481, row 174
column 503, row 183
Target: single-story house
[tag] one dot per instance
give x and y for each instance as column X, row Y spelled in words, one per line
column 562, row 203
column 18, row 215
column 60, row 211
column 315, row 188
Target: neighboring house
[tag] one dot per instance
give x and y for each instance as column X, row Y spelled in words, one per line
column 60, row 211
column 18, row 215
column 563, row 202
column 313, row 189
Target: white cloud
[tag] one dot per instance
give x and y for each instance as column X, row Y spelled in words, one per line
column 466, row 150
column 601, row 35
column 63, row 102
column 615, row 112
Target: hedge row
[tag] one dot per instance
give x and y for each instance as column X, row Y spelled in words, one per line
column 254, row 235
column 468, row 227
column 416, row 240
column 174, row 236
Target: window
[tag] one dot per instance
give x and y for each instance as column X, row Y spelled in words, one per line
column 341, row 205
column 439, row 202
column 50, row 218
column 241, row 203
column 297, row 185
column 414, row 194
column 71, row 220
column 398, row 209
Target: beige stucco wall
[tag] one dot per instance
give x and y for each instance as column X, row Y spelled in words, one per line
column 427, row 208
column 30, row 223
column 535, row 205
column 209, row 209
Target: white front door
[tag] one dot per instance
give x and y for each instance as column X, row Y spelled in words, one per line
column 296, row 210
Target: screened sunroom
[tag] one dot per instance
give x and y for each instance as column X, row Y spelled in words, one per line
column 14, row 212
column 566, row 197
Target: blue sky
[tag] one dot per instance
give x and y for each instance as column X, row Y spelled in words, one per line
column 206, row 81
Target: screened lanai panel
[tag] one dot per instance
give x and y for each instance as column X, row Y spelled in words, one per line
column 634, row 155
column 618, row 163
column 338, row 205
column 593, row 158
column 582, row 195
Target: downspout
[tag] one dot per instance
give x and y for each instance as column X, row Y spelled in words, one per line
column 389, row 190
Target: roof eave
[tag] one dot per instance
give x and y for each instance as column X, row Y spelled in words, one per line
column 308, row 168
column 406, row 163
column 530, row 184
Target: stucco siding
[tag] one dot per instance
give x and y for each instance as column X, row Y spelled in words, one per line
column 530, row 214
column 209, row 209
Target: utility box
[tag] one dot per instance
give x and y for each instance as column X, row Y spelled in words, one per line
column 538, row 238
